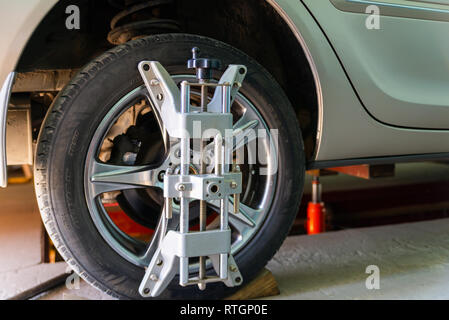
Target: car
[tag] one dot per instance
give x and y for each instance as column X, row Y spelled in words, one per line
column 96, row 95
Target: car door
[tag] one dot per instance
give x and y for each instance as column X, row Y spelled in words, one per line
column 396, row 54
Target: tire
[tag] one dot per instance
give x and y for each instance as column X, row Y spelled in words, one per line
column 71, row 122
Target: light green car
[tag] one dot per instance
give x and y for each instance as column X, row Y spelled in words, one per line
column 326, row 83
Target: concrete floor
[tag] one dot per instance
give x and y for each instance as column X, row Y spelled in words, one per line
column 413, row 258
column 21, row 235
column 20, row 228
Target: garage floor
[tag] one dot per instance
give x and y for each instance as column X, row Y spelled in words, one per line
column 21, row 236
column 413, row 258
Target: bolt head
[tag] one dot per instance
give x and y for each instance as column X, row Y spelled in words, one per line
column 234, row 185
column 154, row 82
column 181, row 187
column 154, row 277
column 232, row 268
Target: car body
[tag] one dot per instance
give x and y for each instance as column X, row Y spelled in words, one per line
column 382, row 94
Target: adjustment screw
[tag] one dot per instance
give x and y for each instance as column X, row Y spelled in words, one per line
column 154, row 82
column 146, row 291
column 181, row 187
column 195, row 52
column 160, row 96
column 154, row 277
column 233, row 185
column 160, row 176
column 232, row 268
column 159, row 262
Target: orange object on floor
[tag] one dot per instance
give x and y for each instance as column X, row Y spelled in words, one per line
column 316, row 218
column 316, row 214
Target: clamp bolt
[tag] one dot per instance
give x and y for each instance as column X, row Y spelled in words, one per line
column 161, row 175
column 154, row 82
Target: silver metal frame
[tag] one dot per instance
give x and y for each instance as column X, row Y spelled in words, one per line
column 5, row 93
column 176, row 247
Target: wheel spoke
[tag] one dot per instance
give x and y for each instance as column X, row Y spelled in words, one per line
column 163, row 226
column 244, row 219
column 244, row 118
column 245, row 216
column 244, row 134
column 241, row 135
column 108, row 177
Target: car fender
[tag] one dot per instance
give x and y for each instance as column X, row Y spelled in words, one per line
column 18, row 20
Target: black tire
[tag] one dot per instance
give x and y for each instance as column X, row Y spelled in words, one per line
column 70, row 124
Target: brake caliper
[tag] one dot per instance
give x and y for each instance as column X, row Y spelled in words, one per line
column 211, row 121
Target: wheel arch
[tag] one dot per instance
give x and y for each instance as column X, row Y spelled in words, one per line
column 261, row 29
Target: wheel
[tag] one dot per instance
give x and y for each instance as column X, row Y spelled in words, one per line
column 103, row 121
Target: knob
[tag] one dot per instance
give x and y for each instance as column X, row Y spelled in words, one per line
column 203, row 66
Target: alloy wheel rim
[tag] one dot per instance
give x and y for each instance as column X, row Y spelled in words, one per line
column 244, row 225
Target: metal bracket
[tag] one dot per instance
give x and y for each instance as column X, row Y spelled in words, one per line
column 233, row 75
column 5, row 94
column 175, row 245
column 202, row 187
column 179, row 118
column 166, row 97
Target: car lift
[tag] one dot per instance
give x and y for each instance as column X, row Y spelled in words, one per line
column 316, row 209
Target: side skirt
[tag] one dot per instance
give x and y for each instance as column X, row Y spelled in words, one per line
column 378, row 160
